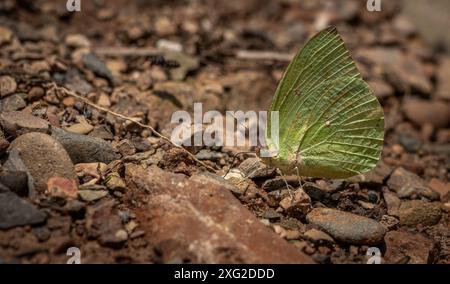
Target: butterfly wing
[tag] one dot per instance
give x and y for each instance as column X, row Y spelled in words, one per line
column 331, row 124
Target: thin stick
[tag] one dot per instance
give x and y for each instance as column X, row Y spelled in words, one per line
column 263, row 55
column 88, row 102
column 149, row 51
column 127, row 51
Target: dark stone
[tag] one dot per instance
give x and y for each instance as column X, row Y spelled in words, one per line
column 93, row 63
column 410, row 144
column 279, row 183
column 15, row 164
column 12, row 103
column 73, row 80
column 16, row 181
column 372, row 197
column 16, row 123
column 347, row 227
column 314, row 191
column 85, row 149
column 42, row 233
column 4, row 144
column 15, row 211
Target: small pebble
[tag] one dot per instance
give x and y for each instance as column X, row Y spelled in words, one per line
column 415, row 212
column 7, row 85
column 92, row 195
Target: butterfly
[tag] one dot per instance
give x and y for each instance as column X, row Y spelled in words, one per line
column 330, row 124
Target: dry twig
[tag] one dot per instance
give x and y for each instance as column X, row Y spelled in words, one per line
column 263, row 55
column 67, row 92
column 128, row 51
column 241, row 54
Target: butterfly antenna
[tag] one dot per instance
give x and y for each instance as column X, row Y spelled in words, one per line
column 240, row 153
column 299, row 178
column 287, row 184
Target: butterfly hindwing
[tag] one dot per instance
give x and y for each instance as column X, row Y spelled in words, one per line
column 330, row 120
column 344, row 134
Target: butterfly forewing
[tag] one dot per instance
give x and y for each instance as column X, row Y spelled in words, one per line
column 323, row 58
column 330, row 120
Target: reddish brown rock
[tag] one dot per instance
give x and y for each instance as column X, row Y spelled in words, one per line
column 422, row 112
column 16, row 123
column 443, row 73
column 389, row 222
column 408, row 185
column 12, row 103
column 7, row 85
column 392, row 202
column 406, row 247
column 36, row 93
column 415, row 212
column 298, row 205
column 6, row 35
column 43, row 157
column 102, row 223
column 201, row 222
column 443, row 188
column 4, row 144
column 62, row 187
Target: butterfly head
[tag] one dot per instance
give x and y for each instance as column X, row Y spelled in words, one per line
column 266, row 152
column 262, row 153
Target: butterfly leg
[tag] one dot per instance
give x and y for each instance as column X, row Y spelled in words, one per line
column 299, row 178
column 285, row 181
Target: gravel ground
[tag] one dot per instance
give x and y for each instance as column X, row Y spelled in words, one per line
column 74, row 174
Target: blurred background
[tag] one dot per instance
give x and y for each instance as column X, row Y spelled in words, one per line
column 401, row 50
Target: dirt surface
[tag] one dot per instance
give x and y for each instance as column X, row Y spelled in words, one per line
column 73, row 175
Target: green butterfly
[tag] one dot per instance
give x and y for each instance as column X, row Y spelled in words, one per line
column 331, row 125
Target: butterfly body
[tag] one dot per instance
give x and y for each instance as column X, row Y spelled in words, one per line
column 331, row 125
